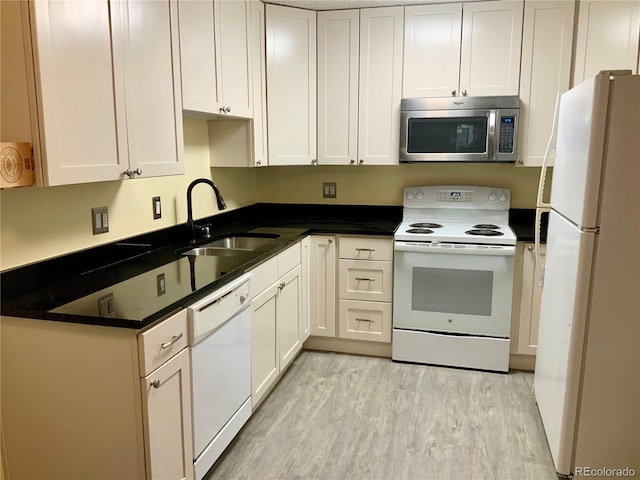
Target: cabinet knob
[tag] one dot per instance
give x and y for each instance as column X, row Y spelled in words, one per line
column 281, row 286
column 520, row 162
column 228, row 109
column 530, row 248
column 130, row 173
column 314, row 162
column 352, row 161
column 361, row 161
column 222, row 110
column 453, row 93
column 155, row 384
column 464, row 93
column 259, row 162
column 330, row 241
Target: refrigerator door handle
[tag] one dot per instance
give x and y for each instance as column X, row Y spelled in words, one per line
column 541, row 206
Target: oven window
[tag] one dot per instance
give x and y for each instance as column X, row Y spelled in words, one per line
column 447, row 290
column 447, row 135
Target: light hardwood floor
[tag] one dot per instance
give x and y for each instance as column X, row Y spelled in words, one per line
column 337, row 416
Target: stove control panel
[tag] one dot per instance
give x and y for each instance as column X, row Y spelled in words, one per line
column 460, row 197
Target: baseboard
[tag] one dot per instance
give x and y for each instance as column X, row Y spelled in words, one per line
column 522, row 362
column 340, row 345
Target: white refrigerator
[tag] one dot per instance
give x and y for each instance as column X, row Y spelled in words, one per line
column 587, row 373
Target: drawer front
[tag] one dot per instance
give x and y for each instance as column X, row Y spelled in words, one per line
column 160, row 343
column 363, row 248
column 369, row 321
column 362, row 280
column 264, row 275
column 289, row 259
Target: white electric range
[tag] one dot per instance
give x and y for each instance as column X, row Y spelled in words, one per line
column 453, row 277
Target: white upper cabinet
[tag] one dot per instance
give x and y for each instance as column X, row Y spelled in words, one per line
column 463, row 49
column 291, row 85
column 233, row 40
column 606, row 38
column 259, row 85
column 381, row 35
column 106, row 90
column 338, row 55
column 491, row 41
column 432, row 37
column 215, row 52
column 545, row 71
column 78, row 119
column 152, row 87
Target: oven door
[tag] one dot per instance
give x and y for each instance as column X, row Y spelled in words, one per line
column 459, row 289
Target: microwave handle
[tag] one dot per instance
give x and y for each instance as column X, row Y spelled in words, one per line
column 491, row 153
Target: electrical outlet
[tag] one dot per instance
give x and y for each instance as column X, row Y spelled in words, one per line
column 106, row 307
column 100, row 220
column 157, row 208
column 329, row 190
column 161, row 286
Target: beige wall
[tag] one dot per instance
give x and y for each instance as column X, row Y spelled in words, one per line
column 40, row 223
column 383, row 185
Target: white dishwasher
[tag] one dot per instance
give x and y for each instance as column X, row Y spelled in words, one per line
column 220, row 339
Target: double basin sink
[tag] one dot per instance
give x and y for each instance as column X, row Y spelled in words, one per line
column 234, row 245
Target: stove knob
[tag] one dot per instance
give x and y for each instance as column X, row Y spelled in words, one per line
column 503, row 197
column 492, row 197
column 419, row 195
column 410, row 196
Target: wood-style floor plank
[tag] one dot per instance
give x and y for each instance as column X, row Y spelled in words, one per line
column 336, row 416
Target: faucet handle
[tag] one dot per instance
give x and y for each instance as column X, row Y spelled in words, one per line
column 205, row 230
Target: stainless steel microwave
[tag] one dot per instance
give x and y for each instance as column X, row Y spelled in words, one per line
column 459, row 129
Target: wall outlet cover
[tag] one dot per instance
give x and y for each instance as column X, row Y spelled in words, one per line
column 329, row 190
column 100, row 220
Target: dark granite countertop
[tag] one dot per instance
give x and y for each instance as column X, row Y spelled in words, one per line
column 71, row 288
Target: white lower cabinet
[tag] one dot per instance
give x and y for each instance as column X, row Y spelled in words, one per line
column 277, row 326
column 112, row 403
column 350, row 296
column 166, row 405
column 526, row 300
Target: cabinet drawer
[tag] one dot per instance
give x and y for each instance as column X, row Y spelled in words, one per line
column 363, row 280
column 289, row 259
column 264, row 275
column 361, row 248
column 365, row 320
column 160, row 343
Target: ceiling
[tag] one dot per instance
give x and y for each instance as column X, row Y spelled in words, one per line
column 343, row 4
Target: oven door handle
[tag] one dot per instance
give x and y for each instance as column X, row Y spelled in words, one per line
column 456, row 249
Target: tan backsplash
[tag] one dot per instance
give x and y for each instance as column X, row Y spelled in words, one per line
column 383, row 185
column 40, row 223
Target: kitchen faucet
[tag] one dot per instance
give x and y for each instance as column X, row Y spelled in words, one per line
column 221, row 205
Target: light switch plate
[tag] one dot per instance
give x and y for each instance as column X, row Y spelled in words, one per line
column 100, row 220
column 329, row 190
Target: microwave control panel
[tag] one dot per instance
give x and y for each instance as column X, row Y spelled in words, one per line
column 507, row 129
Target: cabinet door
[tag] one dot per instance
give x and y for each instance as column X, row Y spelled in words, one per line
column 166, row 407
column 380, row 85
column 80, row 102
column 233, row 51
column 597, row 48
column 491, row 41
column 432, row 35
column 288, row 312
column 264, row 343
column 322, row 285
column 152, row 86
column 531, row 294
column 305, row 327
column 198, row 56
column 545, row 72
column 259, row 84
column 338, row 53
column 291, row 85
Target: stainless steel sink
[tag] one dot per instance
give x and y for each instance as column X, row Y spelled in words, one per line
column 232, row 245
